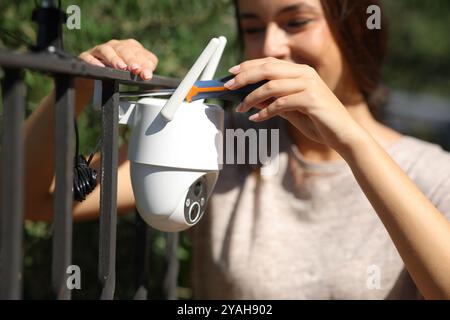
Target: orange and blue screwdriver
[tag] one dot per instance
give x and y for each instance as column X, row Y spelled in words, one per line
column 204, row 89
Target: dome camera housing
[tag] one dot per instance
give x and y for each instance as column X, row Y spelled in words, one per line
column 174, row 165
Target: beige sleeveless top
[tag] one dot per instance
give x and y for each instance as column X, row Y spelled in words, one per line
column 309, row 231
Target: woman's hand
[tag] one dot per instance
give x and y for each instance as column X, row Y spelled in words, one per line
column 120, row 54
column 296, row 93
column 123, row 54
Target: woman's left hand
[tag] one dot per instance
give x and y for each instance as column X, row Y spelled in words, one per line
column 297, row 93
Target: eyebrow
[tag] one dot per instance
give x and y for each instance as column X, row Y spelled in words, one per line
column 290, row 8
column 295, row 7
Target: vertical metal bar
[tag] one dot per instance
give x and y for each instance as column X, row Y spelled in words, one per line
column 11, row 215
column 63, row 196
column 143, row 247
column 108, row 194
column 173, row 266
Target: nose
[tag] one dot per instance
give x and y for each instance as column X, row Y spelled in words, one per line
column 276, row 42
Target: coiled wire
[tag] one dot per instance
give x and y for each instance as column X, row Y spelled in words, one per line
column 84, row 177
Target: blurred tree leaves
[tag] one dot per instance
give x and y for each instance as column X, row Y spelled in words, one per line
column 419, row 46
column 177, row 31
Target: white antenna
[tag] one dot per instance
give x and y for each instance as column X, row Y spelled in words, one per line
column 171, row 107
column 207, row 63
column 211, row 67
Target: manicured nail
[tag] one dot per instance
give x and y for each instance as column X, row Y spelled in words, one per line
column 254, row 117
column 235, row 69
column 147, row 74
column 134, row 66
column 230, row 83
column 122, row 65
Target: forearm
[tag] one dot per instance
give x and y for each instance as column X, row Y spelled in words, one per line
column 39, row 148
column 419, row 231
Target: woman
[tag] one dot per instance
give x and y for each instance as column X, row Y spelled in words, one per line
column 317, row 229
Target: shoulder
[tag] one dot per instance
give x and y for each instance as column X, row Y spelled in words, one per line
column 426, row 163
column 421, row 158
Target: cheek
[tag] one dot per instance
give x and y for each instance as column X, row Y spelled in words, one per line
column 317, row 48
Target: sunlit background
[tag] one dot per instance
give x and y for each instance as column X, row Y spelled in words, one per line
column 417, row 73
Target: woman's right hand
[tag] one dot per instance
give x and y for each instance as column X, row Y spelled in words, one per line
column 124, row 55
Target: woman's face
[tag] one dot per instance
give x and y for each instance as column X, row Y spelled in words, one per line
column 295, row 31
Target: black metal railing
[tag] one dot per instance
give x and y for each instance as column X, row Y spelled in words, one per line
column 64, row 70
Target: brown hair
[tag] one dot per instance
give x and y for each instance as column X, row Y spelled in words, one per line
column 363, row 49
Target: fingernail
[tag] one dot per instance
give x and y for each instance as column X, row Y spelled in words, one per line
column 235, row 69
column 147, row 74
column 134, row 66
column 254, row 117
column 230, row 83
column 122, row 65
column 239, row 107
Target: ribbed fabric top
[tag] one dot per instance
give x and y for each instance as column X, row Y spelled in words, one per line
column 309, row 231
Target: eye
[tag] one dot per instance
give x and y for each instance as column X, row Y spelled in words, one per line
column 297, row 23
column 253, row 30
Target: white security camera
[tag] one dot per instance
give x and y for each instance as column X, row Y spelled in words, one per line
column 174, row 165
column 175, row 149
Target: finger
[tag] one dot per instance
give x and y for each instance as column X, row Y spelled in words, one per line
column 144, row 61
column 89, row 58
column 264, row 104
column 139, row 60
column 243, row 76
column 272, row 89
column 252, row 64
column 260, row 105
column 267, row 71
column 153, row 58
column 147, row 62
column 129, row 47
column 128, row 55
column 147, row 72
column 108, row 56
column 280, row 105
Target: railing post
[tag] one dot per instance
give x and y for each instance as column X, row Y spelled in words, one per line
column 143, row 250
column 63, row 195
column 173, row 266
column 108, row 194
column 11, row 215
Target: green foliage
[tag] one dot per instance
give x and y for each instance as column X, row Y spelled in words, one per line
column 419, row 46
column 176, row 31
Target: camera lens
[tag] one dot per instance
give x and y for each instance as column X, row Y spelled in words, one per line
column 198, row 187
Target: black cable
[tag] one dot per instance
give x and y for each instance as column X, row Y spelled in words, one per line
column 84, row 177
